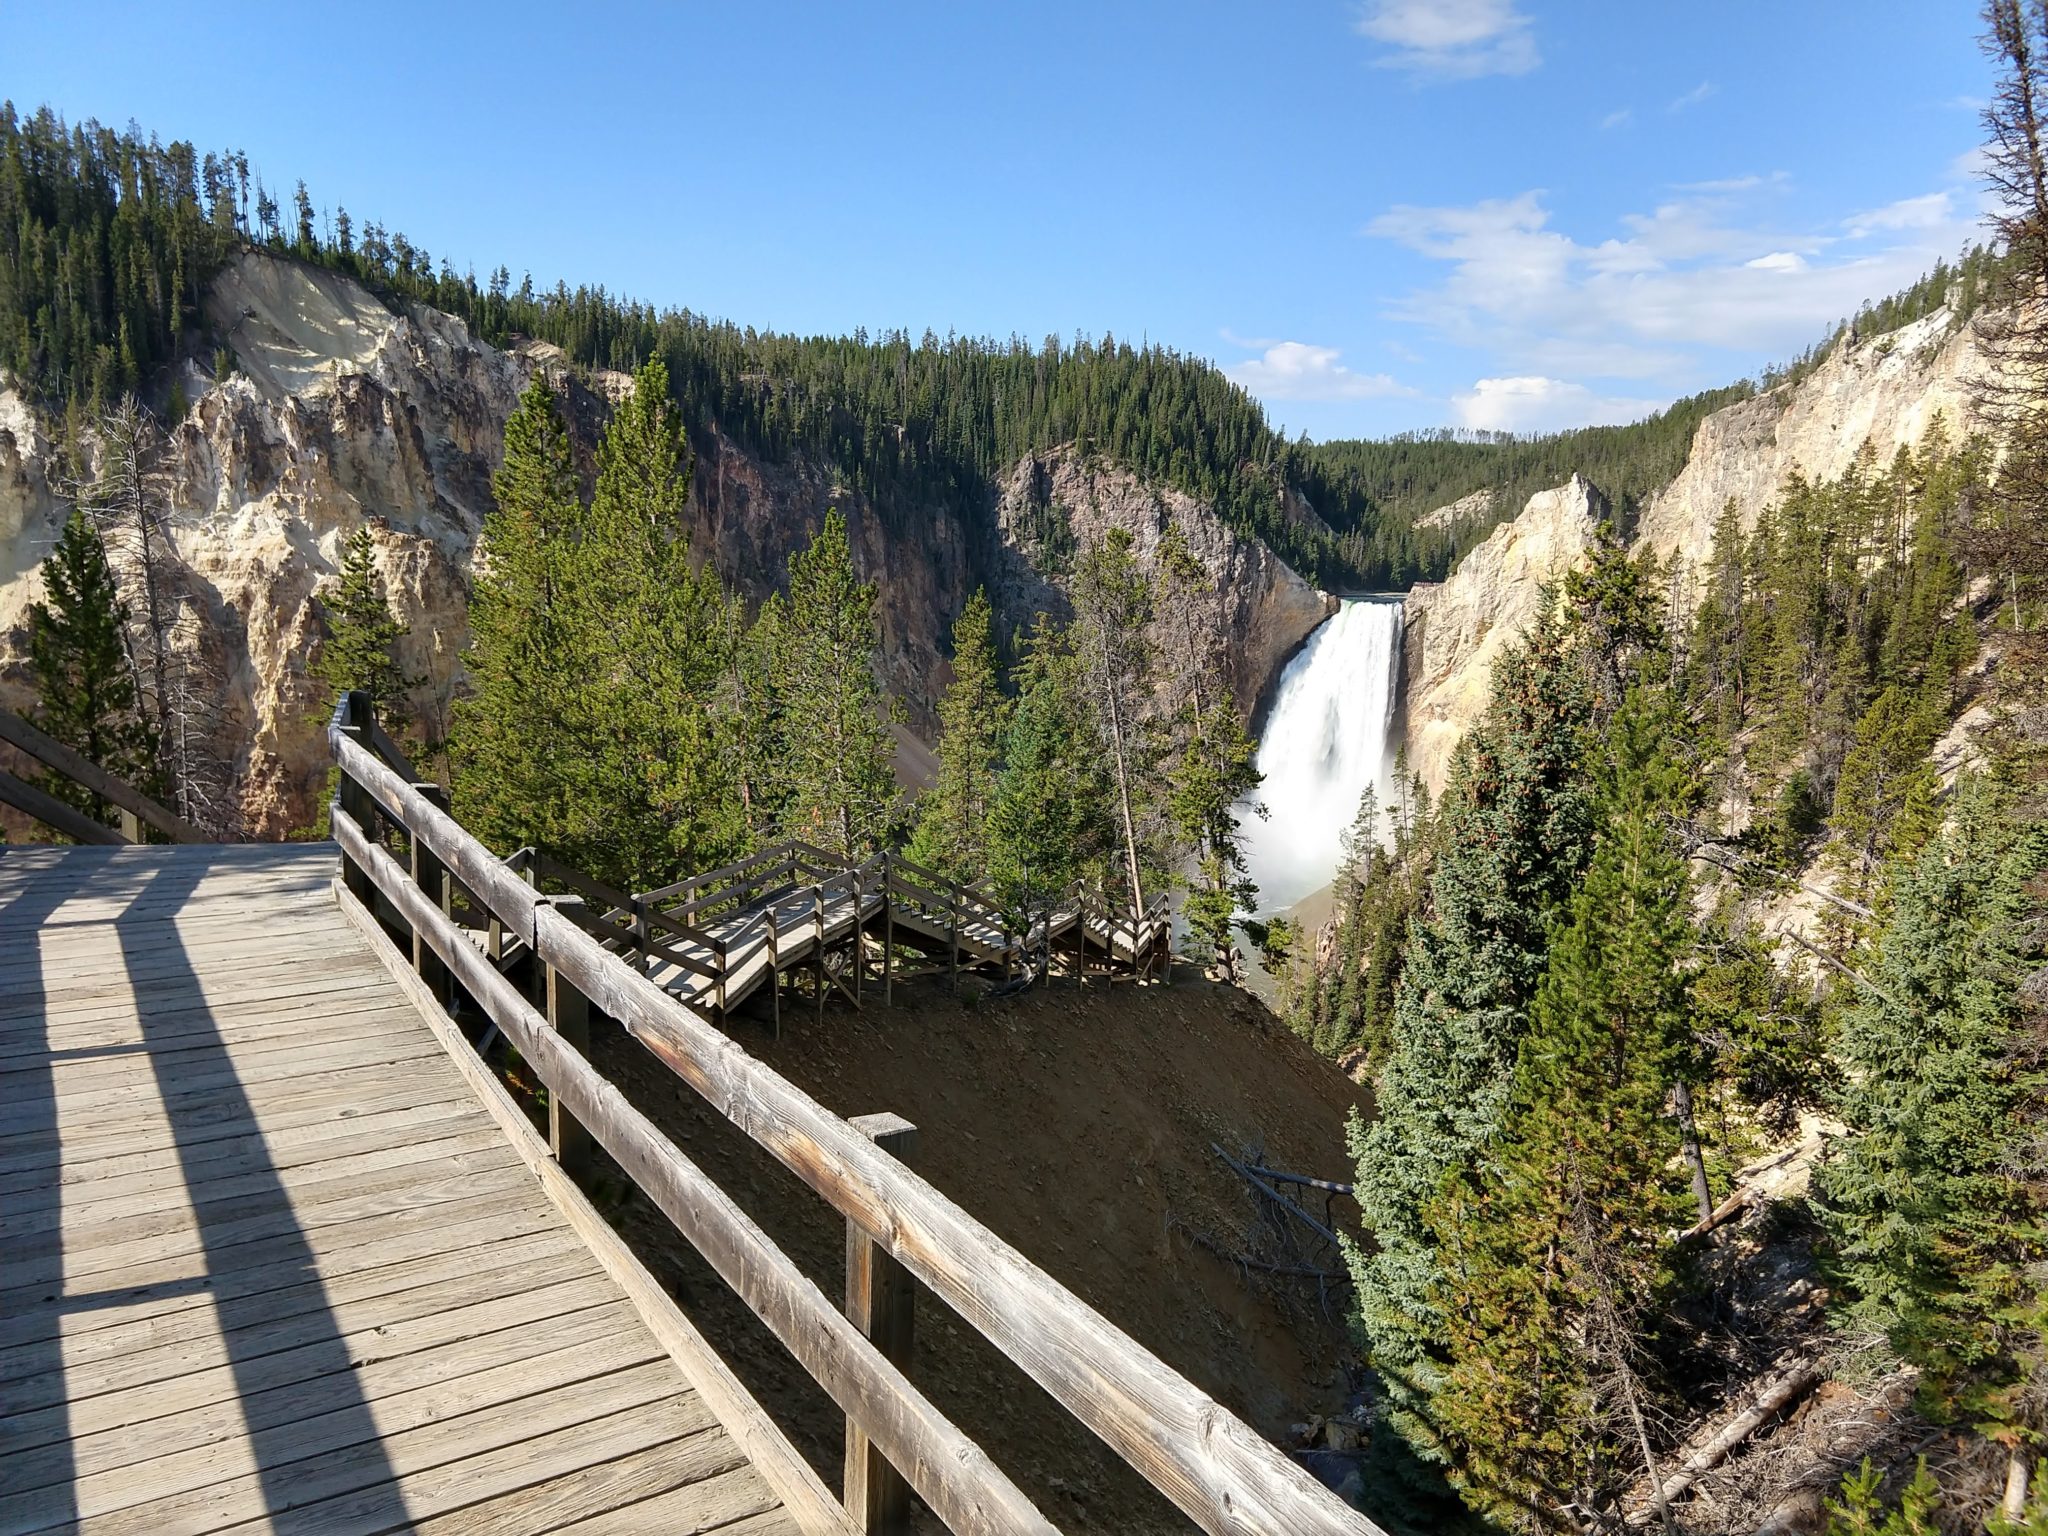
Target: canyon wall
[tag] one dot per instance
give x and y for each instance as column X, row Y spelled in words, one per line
column 1870, row 394
column 343, row 412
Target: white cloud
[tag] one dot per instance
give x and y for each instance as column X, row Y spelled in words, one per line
column 1295, row 370
column 1616, row 118
column 1934, row 211
column 1707, row 270
column 1537, row 403
column 1693, row 97
column 1451, row 39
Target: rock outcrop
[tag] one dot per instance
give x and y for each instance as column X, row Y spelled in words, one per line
column 1058, row 502
column 1452, row 630
column 344, row 412
column 1877, row 394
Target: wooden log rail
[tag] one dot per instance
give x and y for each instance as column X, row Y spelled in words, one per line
column 136, row 809
column 1205, row 1460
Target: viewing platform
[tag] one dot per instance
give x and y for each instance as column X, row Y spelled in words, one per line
column 280, row 1250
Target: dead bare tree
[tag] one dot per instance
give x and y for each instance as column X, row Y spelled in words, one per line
column 128, row 498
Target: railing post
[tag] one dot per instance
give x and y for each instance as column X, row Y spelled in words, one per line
column 953, row 938
column 357, row 805
column 640, row 932
column 431, row 876
column 569, row 1014
column 860, row 934
column 888, row 931
column 879, row 1302
column 131, row 825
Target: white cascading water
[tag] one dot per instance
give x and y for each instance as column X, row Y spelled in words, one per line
column 1328, row 735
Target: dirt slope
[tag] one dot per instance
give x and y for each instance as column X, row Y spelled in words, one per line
column 1077, row 1124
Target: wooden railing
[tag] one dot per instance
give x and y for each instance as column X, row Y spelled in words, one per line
column 135, row 809
column 1210, row 1464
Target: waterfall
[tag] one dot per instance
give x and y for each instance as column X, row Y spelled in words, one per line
column 1327, row 736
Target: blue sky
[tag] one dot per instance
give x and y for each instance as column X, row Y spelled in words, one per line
column 1376, row 214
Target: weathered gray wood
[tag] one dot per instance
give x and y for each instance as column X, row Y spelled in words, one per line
column 133, row 804
column 954, row 1476
column 815, row 1511
column 1212, row 1465
column 55, row 814
column 431, row 876
column 880, row 1300
column 569, row 1017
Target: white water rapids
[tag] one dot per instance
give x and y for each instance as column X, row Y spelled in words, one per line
column 1328, row 735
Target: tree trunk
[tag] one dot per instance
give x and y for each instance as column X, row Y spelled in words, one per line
column 1689, row 1136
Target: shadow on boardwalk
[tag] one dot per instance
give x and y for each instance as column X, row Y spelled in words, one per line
column 251, row 1244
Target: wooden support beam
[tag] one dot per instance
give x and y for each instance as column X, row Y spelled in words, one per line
column 431, row 876
column 880, row 1302
column 569, row 1015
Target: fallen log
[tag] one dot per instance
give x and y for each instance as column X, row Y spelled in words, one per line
column 1791, row 1385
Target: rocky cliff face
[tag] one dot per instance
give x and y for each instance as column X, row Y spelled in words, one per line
column 1058, row 502
column 1876, row 394
column 344, row 413
column 1452, row 630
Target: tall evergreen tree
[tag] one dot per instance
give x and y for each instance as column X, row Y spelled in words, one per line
column 1211, row 763
column 655, row 796
column 360, row 651
column 78, row 657
column 1550, row 1250
column 527, row 667
column 952, row 824
column 1051, row 820
column 1511, row 839
column 833, row 747
column 1932, row 1201
column 1112, row 620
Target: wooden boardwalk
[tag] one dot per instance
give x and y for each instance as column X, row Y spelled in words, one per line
column 268, row 1262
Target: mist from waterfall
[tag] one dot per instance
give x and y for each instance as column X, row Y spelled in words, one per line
column 1328, row 735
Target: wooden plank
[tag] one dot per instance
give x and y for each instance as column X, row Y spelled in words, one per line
column 154, row 1259
column 554, row 1431
column 259, row 1268
column 686, row 1487
column 955, row 1477
column 191, row 1315
column 338, row 1136
column 207, row 1201
column 879, row 1302
column 488, row 1331
column 219, row 1113
column 164, row 1458
column 99, row 1023
column 450, row 1466
column 730, row 1504
column 815, row 1510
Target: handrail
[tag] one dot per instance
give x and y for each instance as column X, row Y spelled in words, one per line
column 1209, row 1463
column 88, row 775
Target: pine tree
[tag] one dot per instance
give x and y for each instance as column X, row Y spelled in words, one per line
column 1884, row 798
column 833, row 744
column 78, row 656
column 1212, row 762
column 360, row 651
column 1112, row 617
column 1936, row 1227
column 1512, row 836
column 1550, row 1250
column 952, row 823
column 1051, row 818
column 654, row 797
column 525, row 711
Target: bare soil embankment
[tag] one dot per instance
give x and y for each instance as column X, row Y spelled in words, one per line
column 1078, row 1125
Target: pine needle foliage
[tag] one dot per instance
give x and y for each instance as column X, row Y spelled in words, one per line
column 833, row 744
column 84, row 676
column 360, row 652
column 951, row 835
